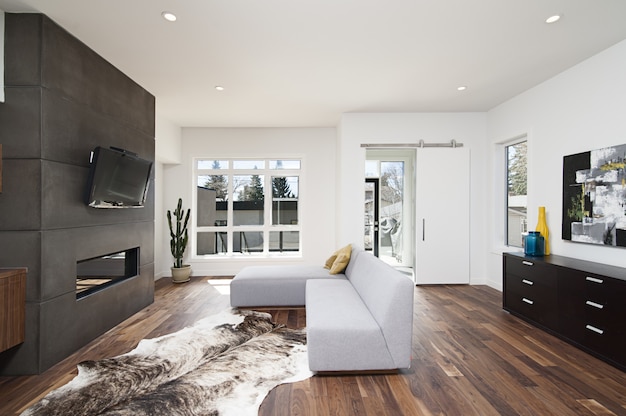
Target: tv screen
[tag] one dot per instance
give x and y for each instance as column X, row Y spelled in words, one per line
column 117, row 179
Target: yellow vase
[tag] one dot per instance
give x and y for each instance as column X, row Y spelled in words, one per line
column 542, row 227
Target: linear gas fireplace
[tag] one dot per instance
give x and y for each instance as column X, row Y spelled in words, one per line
column 98, row 273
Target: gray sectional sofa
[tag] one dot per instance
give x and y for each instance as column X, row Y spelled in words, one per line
column 359, row 320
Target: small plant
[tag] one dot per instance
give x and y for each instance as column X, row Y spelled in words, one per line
column 179, row 238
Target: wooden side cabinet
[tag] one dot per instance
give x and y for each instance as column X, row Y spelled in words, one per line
column 581, row 302
column 12, row 307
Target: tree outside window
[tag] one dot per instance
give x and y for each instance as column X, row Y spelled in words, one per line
column 516, row 183
column 247, row 206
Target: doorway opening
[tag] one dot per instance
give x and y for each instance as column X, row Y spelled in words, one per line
column 389, row 231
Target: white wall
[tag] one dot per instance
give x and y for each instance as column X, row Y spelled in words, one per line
column 316, row 146
column 358, row 128
column 168, row 147
column 1, row 56
column 581, row 109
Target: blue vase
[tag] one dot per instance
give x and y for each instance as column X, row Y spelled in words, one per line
column 534, row 244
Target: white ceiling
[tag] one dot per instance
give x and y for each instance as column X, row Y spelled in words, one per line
column 286, row 63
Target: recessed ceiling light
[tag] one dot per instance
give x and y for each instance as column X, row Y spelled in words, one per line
column 461, row 88
column 553, row 19
column 219, row 88
column 169, row 16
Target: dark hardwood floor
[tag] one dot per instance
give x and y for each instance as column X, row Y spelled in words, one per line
column 469, row 358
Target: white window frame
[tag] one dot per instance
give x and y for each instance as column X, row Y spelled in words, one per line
column 267, row 227
column 517, row 140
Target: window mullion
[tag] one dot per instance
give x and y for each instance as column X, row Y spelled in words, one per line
column 230, row 234
column 267, row 217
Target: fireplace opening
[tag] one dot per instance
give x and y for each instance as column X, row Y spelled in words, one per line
column 101, row 272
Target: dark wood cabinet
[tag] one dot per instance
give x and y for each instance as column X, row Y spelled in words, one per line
column 12, row 307
column 582, row 302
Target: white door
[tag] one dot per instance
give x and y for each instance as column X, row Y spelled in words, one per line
column 442, row 206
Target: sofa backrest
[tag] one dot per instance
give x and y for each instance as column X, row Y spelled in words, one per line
column 388, row 295
column 356, row 251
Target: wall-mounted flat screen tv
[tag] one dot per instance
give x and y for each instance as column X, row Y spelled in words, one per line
column 117, row 179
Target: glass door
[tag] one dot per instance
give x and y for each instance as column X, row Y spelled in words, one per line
column 391, row 211
column 371, row 240
column 389, row 216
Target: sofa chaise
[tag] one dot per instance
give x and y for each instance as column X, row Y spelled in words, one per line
column 357, row 320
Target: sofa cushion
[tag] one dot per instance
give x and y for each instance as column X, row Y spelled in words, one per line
column 274, row 285
column 342, row 335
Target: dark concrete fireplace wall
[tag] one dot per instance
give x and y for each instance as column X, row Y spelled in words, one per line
column 62, row 100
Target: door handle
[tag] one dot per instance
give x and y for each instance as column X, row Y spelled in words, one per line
column 423, row 229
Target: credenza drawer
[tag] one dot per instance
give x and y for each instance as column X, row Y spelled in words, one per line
column 528, row 286
column 541, row 308
column 605, row 340
column 593, row 286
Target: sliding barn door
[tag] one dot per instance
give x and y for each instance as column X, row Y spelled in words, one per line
column 442, row 216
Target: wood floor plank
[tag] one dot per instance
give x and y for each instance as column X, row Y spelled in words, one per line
column 408, row 404
column 522, row 346
column 469, row 357
column 596, row 408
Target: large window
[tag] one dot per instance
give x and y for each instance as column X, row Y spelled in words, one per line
column 247, row 206
column 516, row 183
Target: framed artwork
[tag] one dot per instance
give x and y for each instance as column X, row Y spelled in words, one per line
column 594, row 197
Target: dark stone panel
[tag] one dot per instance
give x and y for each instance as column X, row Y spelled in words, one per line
column 58, row 277
column 68, row 324
column 119, row 301
column 68, row 65
column 72, row 130
column 61, row 249
column 113, row 238
column 58, row 328
column 63, row 204
column 20, row 200
column 23, row 249
column 62, row 101
column 24, row 358
column 22, row 49
column 20, row 121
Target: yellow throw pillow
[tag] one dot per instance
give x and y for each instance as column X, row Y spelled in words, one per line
column 342, row 260
column 331, row 260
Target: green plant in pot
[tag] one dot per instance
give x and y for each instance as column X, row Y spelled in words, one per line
column 178, row 242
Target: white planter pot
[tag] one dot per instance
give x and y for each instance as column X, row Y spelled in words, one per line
column 181, row 274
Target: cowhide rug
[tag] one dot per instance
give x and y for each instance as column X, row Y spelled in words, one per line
column 223, row 365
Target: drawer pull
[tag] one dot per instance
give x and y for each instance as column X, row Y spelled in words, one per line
column 530, row 302
column 528, row 263
column 594, row 329
column 594, row 279
column 595, row 305
column 528, row 282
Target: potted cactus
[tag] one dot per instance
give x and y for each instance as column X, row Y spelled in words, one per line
column 178, row 242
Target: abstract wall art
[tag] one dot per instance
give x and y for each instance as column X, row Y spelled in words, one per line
column 594, row 197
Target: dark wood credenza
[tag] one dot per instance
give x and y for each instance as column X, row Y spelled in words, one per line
column 12, row 307
column 581, row 302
